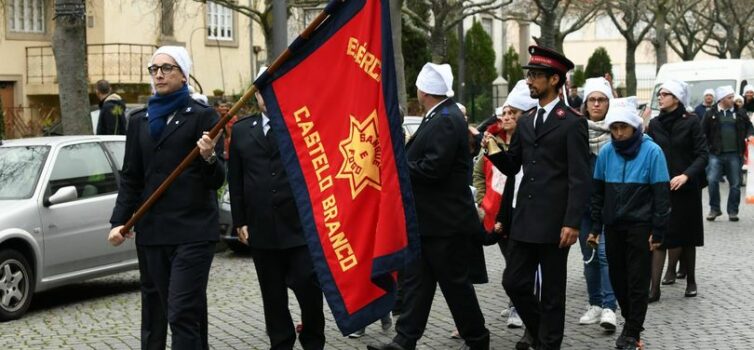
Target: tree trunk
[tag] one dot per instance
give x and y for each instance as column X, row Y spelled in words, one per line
column 395, row 28
column 438, row 43
column 461, row 65
column 69, row 48
column 661, row 32
column 548, row 32
column 559, row 43
column 279, row 29
column 631, row 68
column 166, row 22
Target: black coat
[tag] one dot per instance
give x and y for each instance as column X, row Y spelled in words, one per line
column 556, row 181
column 685, row 149
column 187, row 211
column 438, row 160
column 112, row 116
column 711, row 129
column 260, row 195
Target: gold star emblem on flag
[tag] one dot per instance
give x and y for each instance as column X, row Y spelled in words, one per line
column 362, row 155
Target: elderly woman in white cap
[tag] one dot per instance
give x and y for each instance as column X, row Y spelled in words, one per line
column 708, row 102
column 602, row 305
column 630, row 164
column 749, row 99
column 175, row 240
column 680, row 136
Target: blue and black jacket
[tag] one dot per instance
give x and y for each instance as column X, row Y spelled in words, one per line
column 631, row 193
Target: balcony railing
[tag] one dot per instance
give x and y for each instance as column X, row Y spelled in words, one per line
column 117, row 63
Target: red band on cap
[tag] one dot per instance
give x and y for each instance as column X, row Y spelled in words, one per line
column 549, row 62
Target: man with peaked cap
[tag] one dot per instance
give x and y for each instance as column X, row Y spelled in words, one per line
column 175, row 239
column 266, row 219
column 726, row 129
column 438, row 161
column 551, row 145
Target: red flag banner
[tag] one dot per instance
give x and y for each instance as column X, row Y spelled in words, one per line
column 333, row 106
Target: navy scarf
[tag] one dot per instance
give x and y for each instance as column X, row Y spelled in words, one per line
column 160, row 107
column 628, row 149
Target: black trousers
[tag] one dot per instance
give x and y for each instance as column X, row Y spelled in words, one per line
column 278, row 270
column 630, row 264
column 543, row 318
column 174, row 292
column 443, row 261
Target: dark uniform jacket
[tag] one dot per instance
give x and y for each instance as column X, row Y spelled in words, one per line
column 556, row 182
column 187, row 212
column 711, row 128
column 439, row 163
column 260, row 195
column 112, row 116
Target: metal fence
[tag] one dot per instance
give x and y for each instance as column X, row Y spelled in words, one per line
column 116, row 62
column 29, row 121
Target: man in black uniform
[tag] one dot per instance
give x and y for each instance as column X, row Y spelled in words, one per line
column 551, row 144
column 438, row 161
column 266, row 218
column 175, row 239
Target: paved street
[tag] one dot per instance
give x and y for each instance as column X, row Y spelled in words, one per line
column 104, row 313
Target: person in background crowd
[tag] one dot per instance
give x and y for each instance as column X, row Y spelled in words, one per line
column 175, row 240
column 551, row 144
column 634, row 225
column 602, row 304
column 222, row 107
column 708, row 102
column 738, row 101
column 112, row 110
column 680, row 136
column 726, row 129
column 749, row 99
column 574, row 100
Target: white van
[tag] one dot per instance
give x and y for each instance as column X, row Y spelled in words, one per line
column 702, row 75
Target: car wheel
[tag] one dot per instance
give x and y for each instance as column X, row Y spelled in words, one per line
column 16, row 285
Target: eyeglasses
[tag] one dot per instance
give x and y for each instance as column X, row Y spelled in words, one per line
column 595, row 100
column 663, row 94
column 533, row 74
column 165, row 68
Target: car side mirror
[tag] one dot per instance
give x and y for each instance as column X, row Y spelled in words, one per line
column 62, row 195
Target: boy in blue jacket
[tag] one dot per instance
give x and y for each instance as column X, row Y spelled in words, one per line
column 632, row 199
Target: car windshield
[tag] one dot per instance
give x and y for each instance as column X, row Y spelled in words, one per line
column 696, row 91
column 19, row 170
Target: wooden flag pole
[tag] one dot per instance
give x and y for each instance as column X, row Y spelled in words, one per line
column 284, row 56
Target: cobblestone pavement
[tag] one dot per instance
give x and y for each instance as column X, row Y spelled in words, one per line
column 104, row 313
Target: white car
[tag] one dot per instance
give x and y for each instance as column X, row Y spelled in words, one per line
column 56, row 198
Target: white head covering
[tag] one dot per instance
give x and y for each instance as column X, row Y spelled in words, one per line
column 520, row 97
column 709, row 92
column 624, row 110
column 179, row 54
column 499, row 111
column 262, row 69
column 461, row 107
column 599, row 84
column 723, row 91
column 197, row 96
column 436, row 79
column 737, row 98
column 679, row 89
column 748, row 88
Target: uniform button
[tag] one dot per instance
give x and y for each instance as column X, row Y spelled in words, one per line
column 274, row 190
column 273, row 173
column 531, row 179
column 536, row 145
column 529, row 196
column 534, row 162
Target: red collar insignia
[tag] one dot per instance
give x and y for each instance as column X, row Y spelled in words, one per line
column 560, row 113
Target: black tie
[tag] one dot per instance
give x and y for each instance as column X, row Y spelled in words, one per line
column 540, row 119
column 270, row 134
column 729, row 113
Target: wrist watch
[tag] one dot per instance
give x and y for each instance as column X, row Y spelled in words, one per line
column 212, row 158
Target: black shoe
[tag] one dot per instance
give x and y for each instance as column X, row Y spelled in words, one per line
column 690, row 291
column 668, row 281
column 620, row 342
column 713, row 215
column 733, row 217
column 385, row 346
column 525, row 342
column 630, row 343
column 653, row 297
column 680, row 275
